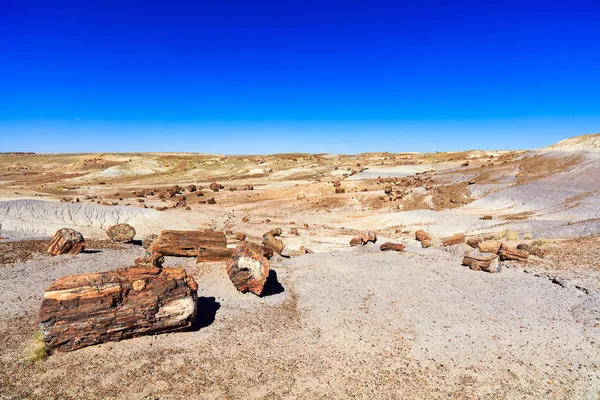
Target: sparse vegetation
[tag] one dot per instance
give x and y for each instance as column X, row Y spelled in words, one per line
column 539, row 242
column 39, row 352
column 507, row 234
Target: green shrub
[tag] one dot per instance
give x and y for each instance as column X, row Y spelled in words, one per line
column 39, row 351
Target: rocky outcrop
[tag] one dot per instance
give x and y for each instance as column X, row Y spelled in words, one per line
column 66, row 241
column 83, row 310
column 248, row 268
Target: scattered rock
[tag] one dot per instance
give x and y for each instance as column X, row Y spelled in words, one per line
column 215, row 186
column 66, row 241
column 121, row 233
column 240, row 236
column 192, row 188
column 356, row 241
column 392, row 246
column 294, row 231
column 368, row 236
column 245, row 218
column 248, row 268
column 271, row 242
column 211, row 201
column 300, row 196
column 486, row 217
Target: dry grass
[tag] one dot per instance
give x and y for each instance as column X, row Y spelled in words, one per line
column 507, row 234
column 39, row 351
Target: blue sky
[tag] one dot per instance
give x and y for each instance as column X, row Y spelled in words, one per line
column 313, row 76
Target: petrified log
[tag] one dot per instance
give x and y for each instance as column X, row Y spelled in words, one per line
column 66, row 241
column 248, row 268
column 206, row 244
column 423, row 237
column 477, row 260
column 273, row 232
column 82, row 310
column 486, row 217
column 121, row 233
column 490, row 246
column 391, row 246
column 454, row 239
column 240, row 236
column 512, row 253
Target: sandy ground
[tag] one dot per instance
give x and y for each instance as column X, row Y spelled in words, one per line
column 342, row 322
column 358, row 323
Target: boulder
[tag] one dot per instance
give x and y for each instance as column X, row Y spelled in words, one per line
column 477, row 260
column 392, row 246
column 121, row 233
column 66, row 241
column 248, row 268
column 83, row 310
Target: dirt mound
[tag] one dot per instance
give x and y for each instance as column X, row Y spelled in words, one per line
column 584, row 143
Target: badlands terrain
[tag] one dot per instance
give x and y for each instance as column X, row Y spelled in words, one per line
column 342, row 321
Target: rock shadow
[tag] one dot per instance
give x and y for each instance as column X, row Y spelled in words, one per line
column 206, row 311
column 136, row 242
column 272, row 285
column 91, row 251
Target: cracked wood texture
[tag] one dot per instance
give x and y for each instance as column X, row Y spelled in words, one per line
column 206, row 244
column 66, row 241
column 83, row 310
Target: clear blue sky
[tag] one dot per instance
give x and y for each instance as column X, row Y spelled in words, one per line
column 281, row 76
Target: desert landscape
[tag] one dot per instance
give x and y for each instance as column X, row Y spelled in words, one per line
column 455, row 275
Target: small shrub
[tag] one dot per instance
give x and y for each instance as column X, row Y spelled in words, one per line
column 507, row 234
column 40, row 351
column 527, row 236
column 539, row 242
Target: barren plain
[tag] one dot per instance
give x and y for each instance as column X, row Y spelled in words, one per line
column 341, row 322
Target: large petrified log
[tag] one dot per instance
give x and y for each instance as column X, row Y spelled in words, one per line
column 121, row 233
column 66, row 241
column 248, row 268
column 82, row 310
column 477, row 261
column 512, row 253
column 206, row 244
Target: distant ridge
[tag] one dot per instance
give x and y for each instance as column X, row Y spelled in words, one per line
column 584, row 143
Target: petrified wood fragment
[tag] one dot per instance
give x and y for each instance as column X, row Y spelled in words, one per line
column 482, row 261
column 512, row 253
column 206, row 244
column 82, row 310
column 457, row 238
column 391, row 246
column 66, row 241
column 423, row 237
column 121, row 233
column 490, row 246
column 248, row 268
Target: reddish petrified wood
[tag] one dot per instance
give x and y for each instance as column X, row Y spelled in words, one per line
column 477, row 261
column 454, row 239
column 206, row 244
column 248, row 268
column 423, row 237
column 387, row 246
column 66, row 241
column 512, row 253
column 82, row 310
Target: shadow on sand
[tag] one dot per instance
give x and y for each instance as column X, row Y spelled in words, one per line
column 206, row 311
